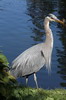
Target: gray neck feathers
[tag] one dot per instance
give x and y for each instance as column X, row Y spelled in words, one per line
column 49, row 35
column 49, row 43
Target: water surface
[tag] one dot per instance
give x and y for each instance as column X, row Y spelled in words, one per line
column 21, row 26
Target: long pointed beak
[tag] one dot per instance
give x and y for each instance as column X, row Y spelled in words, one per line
column 61, row 22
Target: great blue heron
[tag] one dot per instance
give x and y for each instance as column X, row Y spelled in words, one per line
column 34, row 58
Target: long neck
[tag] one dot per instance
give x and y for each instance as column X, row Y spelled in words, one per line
column 48, row 43
column 49, row 35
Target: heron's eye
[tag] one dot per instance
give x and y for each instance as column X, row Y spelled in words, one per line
column 51, row 17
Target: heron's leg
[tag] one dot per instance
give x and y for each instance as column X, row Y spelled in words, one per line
column 35, row 79
column 26, row 80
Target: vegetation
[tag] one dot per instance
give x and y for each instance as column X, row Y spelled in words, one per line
column 15, row 92
column 10, row 90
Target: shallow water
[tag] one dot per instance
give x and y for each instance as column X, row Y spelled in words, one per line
column 21, row 26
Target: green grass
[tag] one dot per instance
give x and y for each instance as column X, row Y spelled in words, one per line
column 15, row 92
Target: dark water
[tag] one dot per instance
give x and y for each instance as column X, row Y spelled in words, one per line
column 21, row 26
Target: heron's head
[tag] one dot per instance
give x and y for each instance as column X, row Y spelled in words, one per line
column 52, row 17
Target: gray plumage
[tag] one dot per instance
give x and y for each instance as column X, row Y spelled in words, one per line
column 34, row 58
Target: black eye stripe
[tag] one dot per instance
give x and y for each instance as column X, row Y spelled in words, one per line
column 51, row 17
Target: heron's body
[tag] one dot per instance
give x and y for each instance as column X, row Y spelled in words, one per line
column 31, row 60
column 34, row 58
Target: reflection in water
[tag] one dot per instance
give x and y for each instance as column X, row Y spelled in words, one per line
column 38, row 10
column 21, row 25
column 61, row 53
